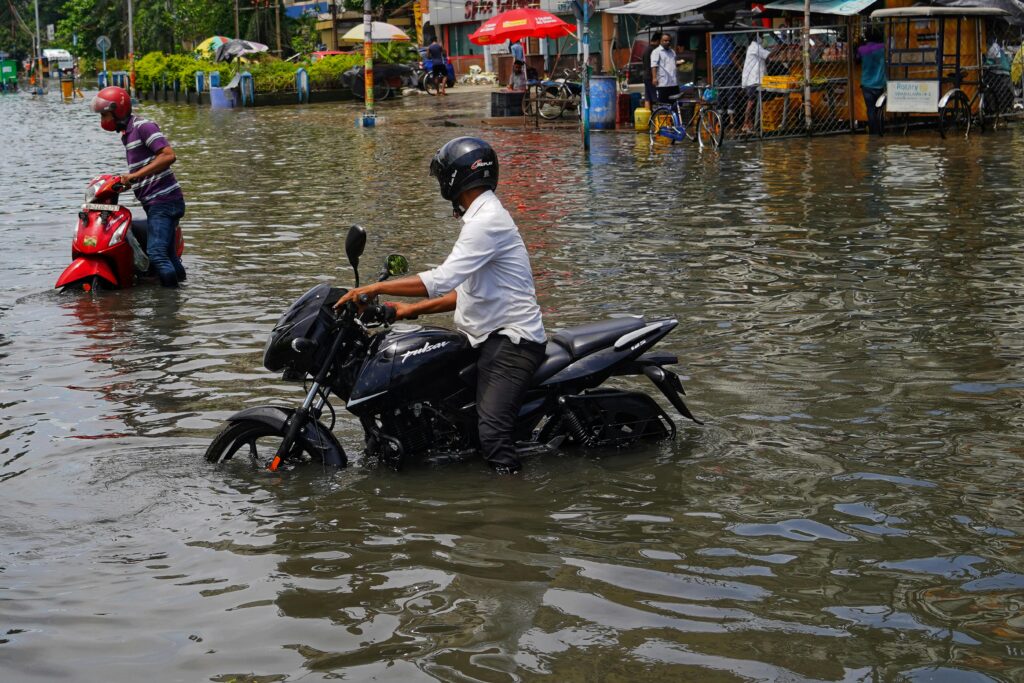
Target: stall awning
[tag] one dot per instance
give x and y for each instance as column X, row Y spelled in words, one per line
column 660, row 8
column 844, row 8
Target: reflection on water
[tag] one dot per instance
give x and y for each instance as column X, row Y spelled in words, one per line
column 850, row 316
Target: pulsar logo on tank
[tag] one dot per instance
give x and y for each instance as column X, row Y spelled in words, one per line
column 426, row 348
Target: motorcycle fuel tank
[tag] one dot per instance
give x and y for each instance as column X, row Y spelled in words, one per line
column 411, row 363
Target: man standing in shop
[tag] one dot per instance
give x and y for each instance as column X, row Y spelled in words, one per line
column 663, row 69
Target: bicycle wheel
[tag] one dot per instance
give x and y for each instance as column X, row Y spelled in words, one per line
column 530, row 101
column 430, row 84
column 661, row 118
column 551, row 102
column 693, row 127
column 982, row 120
column 955, row 115
column 711, row 129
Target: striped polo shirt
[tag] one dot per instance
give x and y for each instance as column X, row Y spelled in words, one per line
column 142, row 140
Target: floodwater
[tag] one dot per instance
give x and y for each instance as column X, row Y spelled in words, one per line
column 851, row 329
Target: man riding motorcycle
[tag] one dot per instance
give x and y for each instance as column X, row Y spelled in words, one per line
column 488, row 282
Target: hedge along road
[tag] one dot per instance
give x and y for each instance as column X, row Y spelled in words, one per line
column 849, row 328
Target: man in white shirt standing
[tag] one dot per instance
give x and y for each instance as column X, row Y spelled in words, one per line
column 754, row 69
column 488, row 282
column 663, row 69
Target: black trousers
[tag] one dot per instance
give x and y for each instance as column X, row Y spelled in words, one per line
column 504, row 371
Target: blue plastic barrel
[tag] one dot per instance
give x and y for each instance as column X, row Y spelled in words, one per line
column 200, row 79
column 603, row 102
column 214, row 79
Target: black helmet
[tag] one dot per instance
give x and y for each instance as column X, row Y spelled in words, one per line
column 462, row 164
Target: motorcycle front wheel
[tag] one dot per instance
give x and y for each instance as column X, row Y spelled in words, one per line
column 256, row 441
column 91, row 284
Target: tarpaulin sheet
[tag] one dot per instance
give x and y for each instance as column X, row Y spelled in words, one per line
column 660, row 8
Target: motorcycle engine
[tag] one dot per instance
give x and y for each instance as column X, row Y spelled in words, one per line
column 414, row 433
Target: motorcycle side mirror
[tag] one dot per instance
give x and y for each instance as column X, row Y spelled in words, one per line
column 395, row 265
column 355, row 242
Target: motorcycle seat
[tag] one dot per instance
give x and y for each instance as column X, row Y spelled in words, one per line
column 556, row 358
column 140, row 228
column 583, row 340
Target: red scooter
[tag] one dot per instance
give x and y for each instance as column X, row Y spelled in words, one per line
column 109, row 247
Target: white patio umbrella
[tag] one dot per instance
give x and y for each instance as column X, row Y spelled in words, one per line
column 381, row 32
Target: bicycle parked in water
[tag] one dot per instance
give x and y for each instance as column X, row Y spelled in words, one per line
column 672, row 123
column 550, row 98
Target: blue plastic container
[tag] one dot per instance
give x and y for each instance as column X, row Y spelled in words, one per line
column 603, row 102
column 200, row 81
column 214, row 79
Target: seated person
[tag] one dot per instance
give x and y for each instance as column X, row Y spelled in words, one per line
column 518, row 79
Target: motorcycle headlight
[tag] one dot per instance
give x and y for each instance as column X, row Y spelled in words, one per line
column 118, row 235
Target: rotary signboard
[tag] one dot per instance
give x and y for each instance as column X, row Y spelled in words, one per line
column 455, row 12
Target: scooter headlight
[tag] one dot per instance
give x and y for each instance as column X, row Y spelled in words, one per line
column 118, row 235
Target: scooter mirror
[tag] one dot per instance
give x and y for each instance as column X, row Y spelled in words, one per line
column 355, row 242
column 396, row 264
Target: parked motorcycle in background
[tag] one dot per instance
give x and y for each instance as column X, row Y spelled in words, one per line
column 108, row 250
column 412, row 387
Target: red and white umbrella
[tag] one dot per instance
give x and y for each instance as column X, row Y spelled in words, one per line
column 520, row 23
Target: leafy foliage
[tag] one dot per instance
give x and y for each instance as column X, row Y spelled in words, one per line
column 326, row 73
column 157, row 68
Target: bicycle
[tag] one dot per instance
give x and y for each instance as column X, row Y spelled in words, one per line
column 958, row 112
column 553, row 96
column 668, row 121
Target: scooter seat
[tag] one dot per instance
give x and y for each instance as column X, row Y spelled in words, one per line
column 583, row 340
column 140, row 228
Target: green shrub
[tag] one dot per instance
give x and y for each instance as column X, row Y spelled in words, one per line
column 273, row 76
column 326, row 73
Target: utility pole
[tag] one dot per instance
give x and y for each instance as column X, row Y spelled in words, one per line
column 237, row 34
column 334, row 22
column 131, row 52
column 39, row 54
column 369, row 118
column 277, row 17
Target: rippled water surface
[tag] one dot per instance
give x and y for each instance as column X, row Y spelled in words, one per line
column 851, row 328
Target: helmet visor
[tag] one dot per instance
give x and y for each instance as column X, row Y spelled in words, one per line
column 101, row 104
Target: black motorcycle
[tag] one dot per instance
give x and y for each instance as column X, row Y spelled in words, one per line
column 413, row 387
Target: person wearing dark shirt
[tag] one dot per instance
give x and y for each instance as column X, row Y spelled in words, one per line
column 650, row 92
column 871, row 55
column 439, row 68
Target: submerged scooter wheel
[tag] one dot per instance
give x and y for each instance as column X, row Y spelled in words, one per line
column 255, row 442
column 89, row 284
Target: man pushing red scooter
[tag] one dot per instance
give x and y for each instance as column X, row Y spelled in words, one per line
column 109, row 248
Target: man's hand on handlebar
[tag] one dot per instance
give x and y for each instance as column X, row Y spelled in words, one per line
column 361, row 296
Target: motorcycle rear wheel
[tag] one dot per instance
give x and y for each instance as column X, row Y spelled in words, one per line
column 256, row 440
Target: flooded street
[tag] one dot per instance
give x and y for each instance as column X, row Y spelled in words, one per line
column 851, row 330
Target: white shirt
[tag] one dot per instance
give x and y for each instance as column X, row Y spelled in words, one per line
column 489, row 268
column 664, row 60
column 753, row 65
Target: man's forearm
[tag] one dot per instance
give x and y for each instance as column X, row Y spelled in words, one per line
column 162, row 161
column 405, row 286
column 441, row 304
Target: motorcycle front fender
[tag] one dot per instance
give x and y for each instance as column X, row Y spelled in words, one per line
column 82, row 268
column 314, row 437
